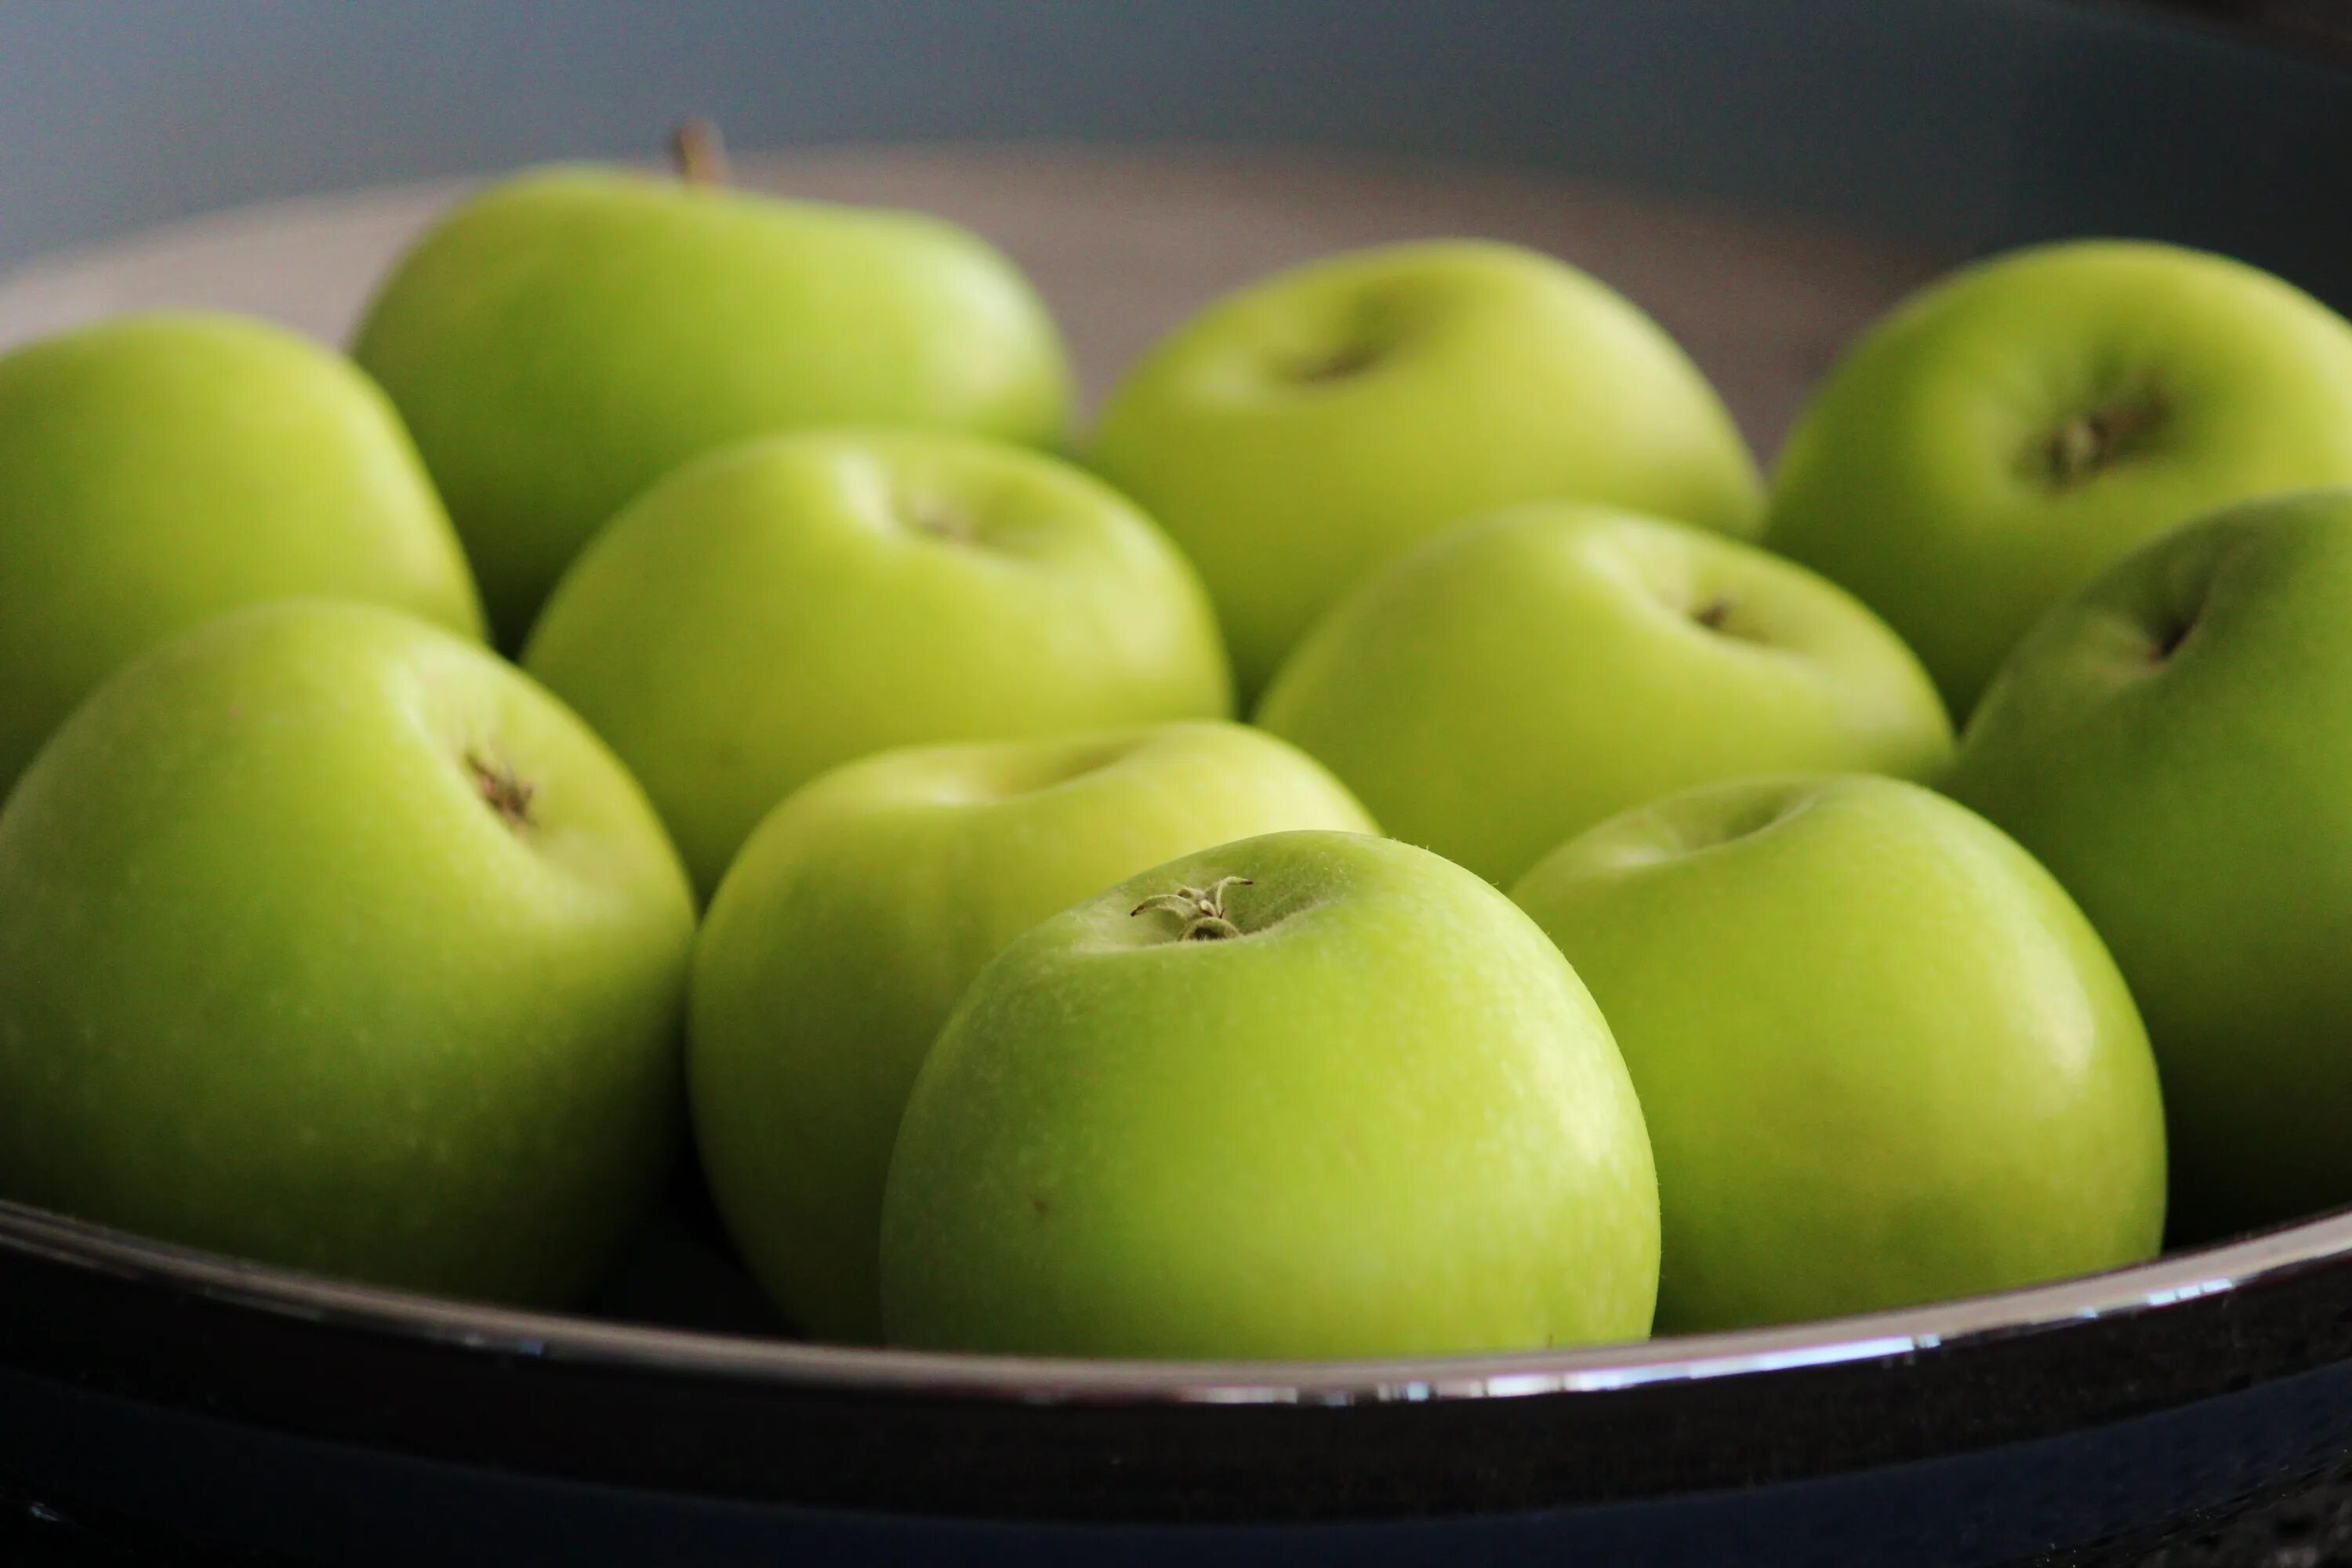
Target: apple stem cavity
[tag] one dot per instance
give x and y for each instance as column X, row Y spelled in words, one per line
column 1203, row 909
column 1341, row 363
column 2095, row 441
column 506, row 791
column 698, row 152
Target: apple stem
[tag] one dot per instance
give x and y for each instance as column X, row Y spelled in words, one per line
column 699, row 152
column 1203, row 909
column 507, row 792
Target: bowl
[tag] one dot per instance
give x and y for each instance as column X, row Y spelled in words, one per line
column 1764, row 177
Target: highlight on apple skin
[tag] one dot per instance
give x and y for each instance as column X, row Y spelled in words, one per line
column 1302, row 433
column 2175, row 743
column 795, row 602
column 1883, row 1057
column 858, row 913
column 1524, row 675
column 159, row 470
column 1311, row 1094
column 330, row 940
column 2006, row 434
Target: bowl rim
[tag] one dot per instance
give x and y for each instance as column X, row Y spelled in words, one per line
column 2165, row 1283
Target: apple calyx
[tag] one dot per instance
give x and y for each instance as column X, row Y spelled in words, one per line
column 1203, row 909
column 941, row 519
column 505, row 791
column 1349, row 359
column 2095, row 441
column 699, row 152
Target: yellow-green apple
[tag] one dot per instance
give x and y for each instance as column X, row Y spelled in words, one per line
column 1311, row 1094
column 332, row 940
column 794, row 602
column 1996, row 441
column 2175, row 743
column 566, row 337
column 158, row 469
column 1883, row 1058
column 1522, row 677
column 1312, row 427
column 858, row 913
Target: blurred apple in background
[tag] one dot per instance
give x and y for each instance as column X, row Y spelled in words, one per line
column 1995, row 442
column 1313, row 426
column 1882, row 1059
column 858, row 913
column 331, row 941
column 156, row 471
column 1313, row 1094
column 2175, row 743
column 568, row 336
column 788, row 605
column 1522, row 677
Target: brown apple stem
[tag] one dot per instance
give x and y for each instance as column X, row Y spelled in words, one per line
column 1203, row 909
column 699, row 152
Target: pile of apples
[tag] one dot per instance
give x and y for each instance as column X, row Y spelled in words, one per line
column 866, row 799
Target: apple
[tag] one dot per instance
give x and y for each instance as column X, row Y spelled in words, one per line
column 859, row 912
column 1883, row 1058
column 1310, row 1094
column 158, row 469
column 1524, row 675
column 1299, row 434
column 1998, row 439
column 568, row 336
column 2175, row 743
column 333, row 941
column 791, row 602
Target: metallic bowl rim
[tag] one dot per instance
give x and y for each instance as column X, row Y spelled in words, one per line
column 2165, row 1283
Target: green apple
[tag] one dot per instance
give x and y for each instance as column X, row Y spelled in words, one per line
column 2175, row 743
column 332, row 940
column 156, row 471
column 1315, row 426
column 1524, row 675
column 1883, row 1058
column 789, row 604
column 1999, row 438
column 859, row 912
column 1311, row 1094
column 568, row 336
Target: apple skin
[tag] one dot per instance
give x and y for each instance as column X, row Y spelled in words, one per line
column 791, row 602
column 568, row 336
column 285, row 980
column 1307, row 430
column 2175, row 743
column 1926, row 474
column 856, row 919
column 1524, row 675
column 1883, row 1058
column 158, row 469
column 1383, row 1119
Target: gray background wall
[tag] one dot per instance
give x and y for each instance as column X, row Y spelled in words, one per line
column 1969, row 122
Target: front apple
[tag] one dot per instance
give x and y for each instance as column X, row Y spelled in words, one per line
column 855, row 917
column 2175, row 743
column 788, row 605
column 1522, row 677
column 2000, row 439
column 331, row 941
column 1314, row 1094
column 1882, row 1059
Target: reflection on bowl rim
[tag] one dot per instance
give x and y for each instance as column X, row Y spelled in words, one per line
column 2148, row 1287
